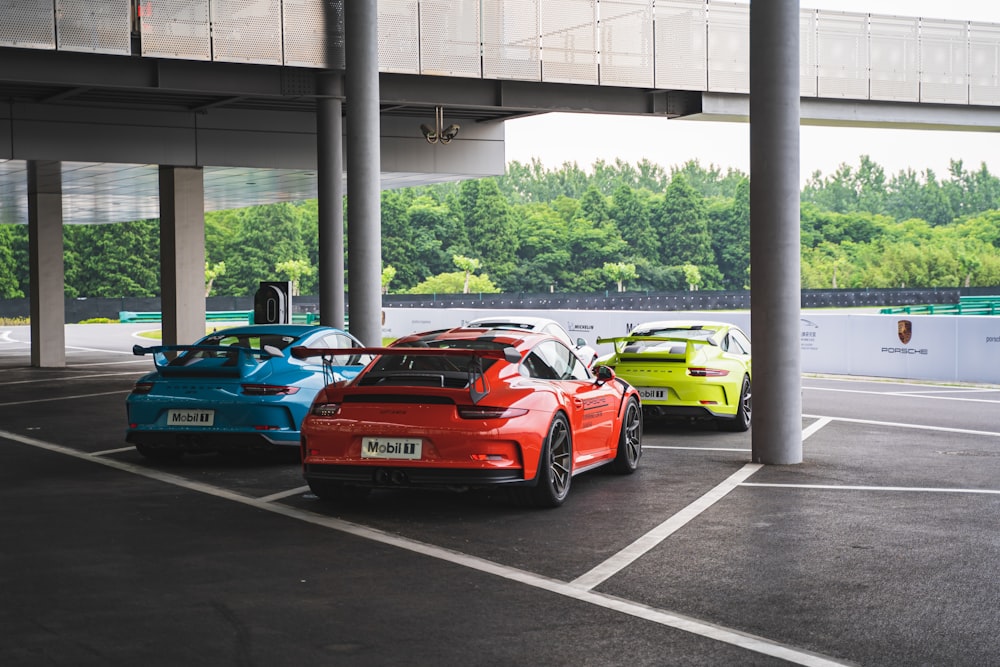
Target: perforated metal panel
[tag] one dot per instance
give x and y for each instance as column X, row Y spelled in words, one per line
column 311, row 27
column 94, row 27
column 449, row 38
column 626, row 34
column 398, row 36
column 728, row 47
column 681, row 44
column 894, row 58
column 842, row 55
column 246, row 31
column 569, row 41
column 807, row 53
column 511, row 40
column 27, row 24
column 984, row 63
column 175, row 29
column 944, row 61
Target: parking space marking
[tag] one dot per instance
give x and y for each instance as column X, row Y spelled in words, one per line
column 699, row 449
column 119, row 450
column 662, row 617
column 836, row 487
column 283, row 494
column 922, row 427
column 640, row 547
column 68, row 378
column 903, row 394
column 62, row 398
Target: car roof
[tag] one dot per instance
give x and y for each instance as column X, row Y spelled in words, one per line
column 511, row 319
column 517, row 338
column 684, row 324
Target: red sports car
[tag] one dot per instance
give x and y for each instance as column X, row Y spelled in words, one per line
column 466, row 408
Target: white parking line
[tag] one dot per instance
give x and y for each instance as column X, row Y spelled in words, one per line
column 570, row 590
column 836, row 487
column 283, row 494
column 632, row 552
column 60, row 398
column 699, row 449
column 919, row 427
column 903, row 394
column 119, row 450
column 67, row 378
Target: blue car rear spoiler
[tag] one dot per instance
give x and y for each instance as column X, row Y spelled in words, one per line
column 204, row 360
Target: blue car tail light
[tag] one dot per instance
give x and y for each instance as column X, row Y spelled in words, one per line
column 268, row 390
column 142, row 388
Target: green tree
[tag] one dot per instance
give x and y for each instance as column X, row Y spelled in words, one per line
column 211, row 273
column 619, row 272
column 469, row 266
column 293, row 270
column 9, row 287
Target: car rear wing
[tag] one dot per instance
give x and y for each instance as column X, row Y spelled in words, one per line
column 205, row 360
column 478, row 387
column 672, row 353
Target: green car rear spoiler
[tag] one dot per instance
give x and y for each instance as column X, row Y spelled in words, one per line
column 622, row 342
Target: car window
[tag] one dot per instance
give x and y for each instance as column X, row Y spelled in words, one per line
column 740, row 339
column 552, row 360
column 558, row 332
column 341, row 341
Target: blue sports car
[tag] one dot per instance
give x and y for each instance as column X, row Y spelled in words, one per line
column 236, row 389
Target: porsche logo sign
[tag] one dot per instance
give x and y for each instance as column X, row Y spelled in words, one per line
column 905, row 330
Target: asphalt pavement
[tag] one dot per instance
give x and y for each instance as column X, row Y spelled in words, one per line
column 879, row 549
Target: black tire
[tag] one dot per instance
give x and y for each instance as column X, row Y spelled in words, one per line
column 744, row 410
column 629, row 440
column 555, row 466
column 325, row 489
column 159, row 453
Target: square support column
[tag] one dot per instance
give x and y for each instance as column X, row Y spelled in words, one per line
column 46, row 266
column 182, row 254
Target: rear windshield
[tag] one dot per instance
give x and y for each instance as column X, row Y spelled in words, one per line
column 250, row 341
column 416, row 363
column 694, row 333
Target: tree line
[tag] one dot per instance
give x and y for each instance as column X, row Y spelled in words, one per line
column 615, row 226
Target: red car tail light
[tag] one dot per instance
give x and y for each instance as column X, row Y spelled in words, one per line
column 707, row 372
column 326, row 409
column 268, row 390
column 142, row 388
column 487, row 412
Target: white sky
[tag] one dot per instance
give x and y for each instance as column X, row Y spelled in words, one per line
column 584, row 138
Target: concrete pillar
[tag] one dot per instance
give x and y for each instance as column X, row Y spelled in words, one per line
column 774, row 232
column 182, row 254
column 46, row 267
column 330, row 186
column 364, row 166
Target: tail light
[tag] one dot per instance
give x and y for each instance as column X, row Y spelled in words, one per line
column 707, row 372
column 268, row 390
column 142, row 388
column 486, row 412
column 326, row 409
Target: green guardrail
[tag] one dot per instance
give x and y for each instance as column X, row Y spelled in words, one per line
column 129, row 317
column 967, row 305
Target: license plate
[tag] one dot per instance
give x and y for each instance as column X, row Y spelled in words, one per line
column 655, row 393
column 391, row 448
column 190, row 417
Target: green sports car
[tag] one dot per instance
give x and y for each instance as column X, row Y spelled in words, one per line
column 695, row 369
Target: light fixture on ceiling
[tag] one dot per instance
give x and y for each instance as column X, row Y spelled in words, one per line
column 439, row 133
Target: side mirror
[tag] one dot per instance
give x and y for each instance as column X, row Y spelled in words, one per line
column 580, row 342
column 272, row 351
column 604, row 373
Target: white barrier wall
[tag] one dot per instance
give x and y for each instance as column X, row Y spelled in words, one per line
column 917, row 347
